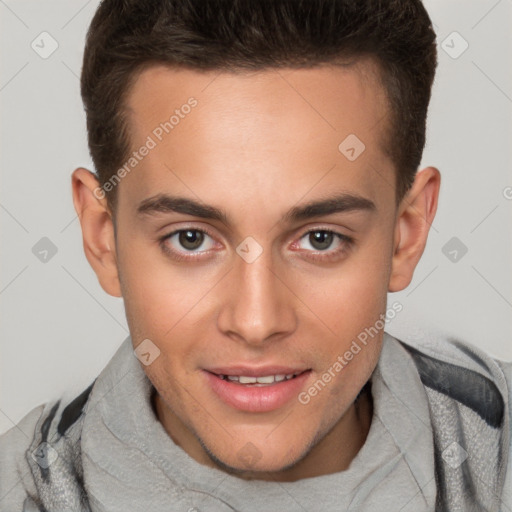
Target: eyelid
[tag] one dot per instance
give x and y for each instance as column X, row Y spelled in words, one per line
column 180, row 254
column 329, row 255
column 323, row 228
column 186, row 227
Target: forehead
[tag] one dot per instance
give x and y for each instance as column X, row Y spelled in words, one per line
column 242, row 131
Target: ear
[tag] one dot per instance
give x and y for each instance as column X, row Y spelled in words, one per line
column 414, row 218
column 97, row 229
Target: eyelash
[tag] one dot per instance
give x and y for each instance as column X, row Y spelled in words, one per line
column 178, row 256
column 347, row 243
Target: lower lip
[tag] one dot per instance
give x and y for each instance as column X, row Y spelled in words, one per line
column 253, row 398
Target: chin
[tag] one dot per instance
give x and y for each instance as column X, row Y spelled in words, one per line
column 251, row 462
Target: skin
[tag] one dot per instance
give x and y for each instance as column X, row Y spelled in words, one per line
column 256, row 145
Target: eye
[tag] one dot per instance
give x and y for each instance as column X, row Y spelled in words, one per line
column 320, row 240
column 187, row 241
column 324, row 241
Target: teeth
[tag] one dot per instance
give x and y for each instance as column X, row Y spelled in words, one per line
column 247, row 380
column 267, row 379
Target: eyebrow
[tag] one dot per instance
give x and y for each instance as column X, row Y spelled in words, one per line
column 163, row 203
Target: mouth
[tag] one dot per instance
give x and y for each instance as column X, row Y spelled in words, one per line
column 265, row 380
column 264, row 392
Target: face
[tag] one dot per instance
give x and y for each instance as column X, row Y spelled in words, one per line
column 250, row 246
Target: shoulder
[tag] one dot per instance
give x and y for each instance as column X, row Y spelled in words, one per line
column 14, row 469
column 28, row 449
column 470, row 377
column 463, row 372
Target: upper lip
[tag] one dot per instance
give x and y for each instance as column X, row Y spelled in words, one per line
column 260, row 371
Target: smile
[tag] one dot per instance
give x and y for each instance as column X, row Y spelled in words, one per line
column 264, row 381
column 263, row 393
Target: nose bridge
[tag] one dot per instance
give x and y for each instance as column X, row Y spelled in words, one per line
column 258, row 304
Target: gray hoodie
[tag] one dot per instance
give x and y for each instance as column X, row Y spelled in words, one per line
column 440, row 440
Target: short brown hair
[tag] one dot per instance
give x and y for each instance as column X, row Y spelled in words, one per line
column 127, row 36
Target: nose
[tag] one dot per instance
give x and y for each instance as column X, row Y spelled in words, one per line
column 258, row 305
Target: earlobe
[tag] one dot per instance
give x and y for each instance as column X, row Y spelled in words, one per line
column 415, row 216
column 97, row 229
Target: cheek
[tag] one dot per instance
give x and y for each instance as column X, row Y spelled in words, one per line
column 157, row 293
column 349, row 302
column 351, row 296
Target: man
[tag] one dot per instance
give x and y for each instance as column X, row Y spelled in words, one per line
column 256, row 198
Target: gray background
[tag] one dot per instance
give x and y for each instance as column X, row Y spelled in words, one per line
column 58, row 327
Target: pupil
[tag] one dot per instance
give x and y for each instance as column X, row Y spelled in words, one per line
column 320, row 239
column 191, row 239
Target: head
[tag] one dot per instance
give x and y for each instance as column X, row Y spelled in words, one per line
column 256, row 197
